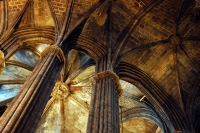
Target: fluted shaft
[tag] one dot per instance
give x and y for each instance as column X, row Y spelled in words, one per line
column 24, row 112
column 104, row 109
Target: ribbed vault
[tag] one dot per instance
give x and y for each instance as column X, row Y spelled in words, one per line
column 152, row 44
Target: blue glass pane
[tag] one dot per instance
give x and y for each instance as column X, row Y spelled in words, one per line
column 26, row 57
column 8, row 91
column 11, row 72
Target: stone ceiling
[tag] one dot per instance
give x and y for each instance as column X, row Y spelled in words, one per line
column 80, row 99
column 155, row 46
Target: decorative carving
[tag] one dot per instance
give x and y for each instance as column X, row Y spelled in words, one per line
column 60, row 91
column 115, row 79
column 55, row 50
column 2, row 61
column 175, row 40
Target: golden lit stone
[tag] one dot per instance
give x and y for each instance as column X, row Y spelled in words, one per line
column 2, row 61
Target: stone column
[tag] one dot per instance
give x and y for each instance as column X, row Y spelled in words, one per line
column 26, row 109
column 104, row 109
column 2, row 61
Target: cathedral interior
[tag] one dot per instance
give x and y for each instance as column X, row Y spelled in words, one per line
column 100, row 66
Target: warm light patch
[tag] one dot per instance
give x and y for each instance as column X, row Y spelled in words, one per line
column 2, row 62
column 42, row 13
column 41, row 47
column 140, row 125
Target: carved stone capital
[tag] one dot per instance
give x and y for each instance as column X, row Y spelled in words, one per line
column 114, row 77
column 54, row 50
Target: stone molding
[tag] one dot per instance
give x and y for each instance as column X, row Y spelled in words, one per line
column 54, row 50
column 114, row 77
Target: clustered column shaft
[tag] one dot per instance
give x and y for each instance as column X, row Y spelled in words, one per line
column 104, row 110
column 26, row 109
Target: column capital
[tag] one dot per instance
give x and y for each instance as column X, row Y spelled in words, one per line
column 114, row 77
column 54, row 50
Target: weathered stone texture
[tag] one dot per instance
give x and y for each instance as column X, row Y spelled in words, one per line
column 156, row 25
column 192, row 30
column 42, row 14
column 137, row 126
column 144, row 33
column 78, row 9
column 60, row 8
column 192, row 50
column 188, row 76
column 2, row 21
column 164, row 40
column 120, row 17
column 14, row 8
column 27, row 18
column 50, row 121
column 75, row 118
column 165, row 14
column 94, row 32
column 159, row 63
column 135, row 5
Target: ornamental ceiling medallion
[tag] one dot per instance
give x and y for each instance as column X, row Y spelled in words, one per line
column 60, row 91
